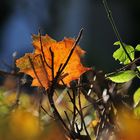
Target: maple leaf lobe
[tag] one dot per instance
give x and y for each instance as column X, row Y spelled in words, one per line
column 61, row 49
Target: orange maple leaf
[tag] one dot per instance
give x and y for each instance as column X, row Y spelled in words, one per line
column 40, row 61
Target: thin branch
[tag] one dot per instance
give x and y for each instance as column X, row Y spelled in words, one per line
column 40, row 101
column 74, row 110
column 72, row 100
column 62, row 66
column 79, row 101
column 51, row 91
column 42, row 50
column 14, row 68
column 46, row 112
column 111, row 19
column 81, row 112
column 54, row 83
column 18, row 91
column 77, row 129
column 18, row 94
column 32, row 65
column 124, row 68
column 68, row 119
column 57, row 116
column 73, row 48
column 52, row 65
column 43, row 65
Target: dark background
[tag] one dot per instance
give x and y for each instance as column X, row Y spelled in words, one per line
column 59, row 18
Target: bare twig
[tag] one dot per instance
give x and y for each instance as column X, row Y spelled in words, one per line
column 47, row 112
column 44, row 68
column 68, row 119
column 52, row 65
column 51, row 91
column 81, row 112
column 82, row 119
column 124, row 68
column 72, row 50
column 32, row 65
column 54, row 81
column 42, row 50
column 40, row 101
column 18, row 94
column 18, row 91
column 74, row 109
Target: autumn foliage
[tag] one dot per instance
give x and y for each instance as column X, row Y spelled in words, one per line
column 74, row 102
column 42, row 58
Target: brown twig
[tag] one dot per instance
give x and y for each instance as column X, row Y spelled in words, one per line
column 124, row 68
column 47, row 112
column 42, row 50
column 68, row 119
column 81, row 112
column 74, row 109
column 51, row 90
column 32, row 65
column 72, row 50
column 52, row 65
column 44, row 68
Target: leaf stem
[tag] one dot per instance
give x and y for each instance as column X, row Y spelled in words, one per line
column 111, row 19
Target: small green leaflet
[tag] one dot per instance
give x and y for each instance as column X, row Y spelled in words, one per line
column 137, row 112
column 137, row 73
column 120, row 54
column 121, row 77
column 136, row 97
column 137, row 47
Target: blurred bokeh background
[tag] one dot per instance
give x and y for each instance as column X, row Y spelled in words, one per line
column 19, row 19
column 59, row 18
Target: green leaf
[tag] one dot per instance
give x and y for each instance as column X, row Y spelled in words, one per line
column 136, row 97
column 137, row 73
column 137, row 47
column 123, row 76
column 138, row 67
column 120, row 54
column 137, row 112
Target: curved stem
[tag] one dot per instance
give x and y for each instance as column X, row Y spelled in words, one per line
column 110, row 17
